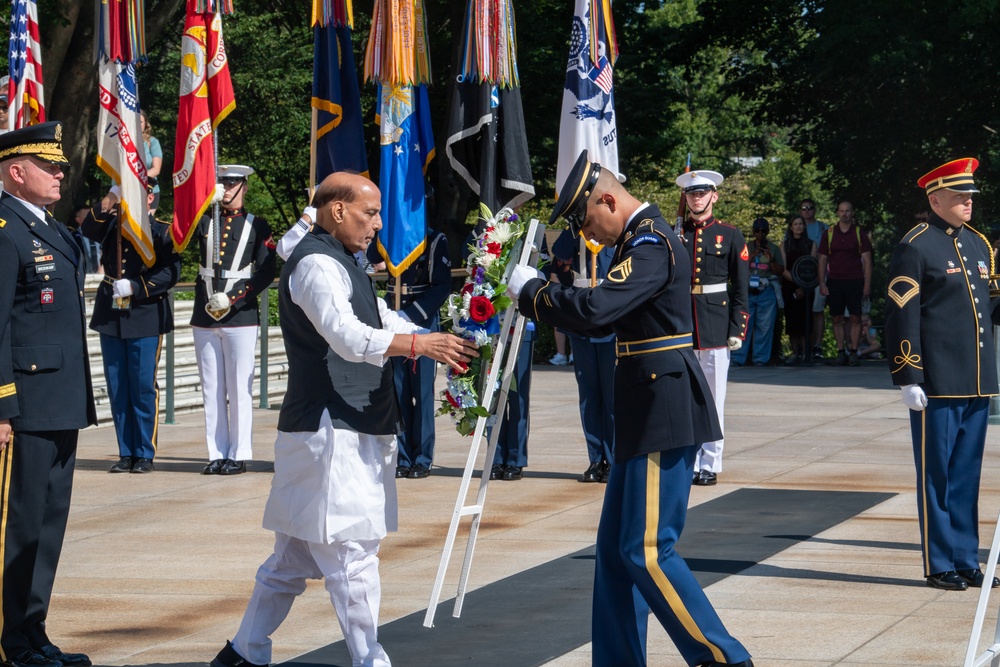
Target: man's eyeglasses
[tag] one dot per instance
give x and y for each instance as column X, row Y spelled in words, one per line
column 808, row 208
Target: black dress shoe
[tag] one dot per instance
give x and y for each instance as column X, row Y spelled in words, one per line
column 52, row 652
column 706, row 478
column 213, row 467
column 228, row 657
column 975, row 578
column 419, row 472
column 402, row 471
column 30, row 658
column 124, row 464
column 510, row 473
column 605, row 471
column 593, row 473
column 231, row 467
column 745, row 663
column 947, row 581
column 496, row 472
column 142, row 465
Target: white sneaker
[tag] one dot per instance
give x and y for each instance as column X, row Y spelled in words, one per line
column 559, row 360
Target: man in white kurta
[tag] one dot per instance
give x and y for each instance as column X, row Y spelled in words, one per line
column 331, row 500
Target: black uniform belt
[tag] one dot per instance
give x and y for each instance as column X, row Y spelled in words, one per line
column 408, row 289
column 632, row 348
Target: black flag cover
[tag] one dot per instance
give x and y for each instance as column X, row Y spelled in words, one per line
column 487, row 144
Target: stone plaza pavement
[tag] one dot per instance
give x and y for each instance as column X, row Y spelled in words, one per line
column 157, row 568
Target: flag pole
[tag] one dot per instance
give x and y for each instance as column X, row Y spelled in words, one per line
column 216, row 236
column 312, row 151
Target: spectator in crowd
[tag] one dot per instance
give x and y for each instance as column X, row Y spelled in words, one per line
column 765, row 268
column 845, row 277
column 870, row 347
column 131, row 313
column 796, row 244
column 154, row 160
column 815, row 230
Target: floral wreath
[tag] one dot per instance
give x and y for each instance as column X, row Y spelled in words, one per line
column 474, row 315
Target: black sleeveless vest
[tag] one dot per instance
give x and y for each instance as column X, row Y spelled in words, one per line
column 360, row 397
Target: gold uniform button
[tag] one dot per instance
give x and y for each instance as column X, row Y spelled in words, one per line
column 46, row 277
column 34, row 367
column 723, row 303
column 81, row 292
column 223, row 244
column 699, row 259
column 221, row 253
column 652, row 376
column 698, row 270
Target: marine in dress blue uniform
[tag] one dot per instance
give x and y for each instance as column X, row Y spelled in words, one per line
column 940, row 313
column 45, row 389
column 425, row 286
column 664, row 411
column 132, row 329
column 720, row 280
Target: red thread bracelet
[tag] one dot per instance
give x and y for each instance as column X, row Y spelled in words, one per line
column 413, row 351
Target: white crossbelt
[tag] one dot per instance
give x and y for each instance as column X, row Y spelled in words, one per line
column 229, row 275
column 708, row 289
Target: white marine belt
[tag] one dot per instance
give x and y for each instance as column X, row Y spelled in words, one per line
column 226, row 274
column 708, row 289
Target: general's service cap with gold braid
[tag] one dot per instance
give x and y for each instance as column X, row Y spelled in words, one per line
column 43, row 141
column 572, row 201
column 955, row 175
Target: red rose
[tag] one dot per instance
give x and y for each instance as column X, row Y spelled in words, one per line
column 467, row 288
column 494, row 248
column 481, row 309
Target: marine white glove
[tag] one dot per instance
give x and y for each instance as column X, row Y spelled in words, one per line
column 914, row 397
column 519, row 277
column 121, row 288
column 734, row 343
column 309, row 214
column 220, row 191
column 116, row 191
column 219, row 301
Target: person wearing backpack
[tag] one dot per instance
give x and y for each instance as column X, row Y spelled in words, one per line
column 845, row 278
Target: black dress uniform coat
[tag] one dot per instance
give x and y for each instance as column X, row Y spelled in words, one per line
column 258, row 257
column 150, row 313
column 427, row 283
column 718, row 255
column 939, row 314
column 661, row 398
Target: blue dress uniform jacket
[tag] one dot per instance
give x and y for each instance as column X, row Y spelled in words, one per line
column 661, row 398
column 426, row 283
column 150, row 313
column 258, row 258
column 719, row 256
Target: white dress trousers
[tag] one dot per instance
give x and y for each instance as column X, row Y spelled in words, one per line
column 226, row 367
column 715, row 364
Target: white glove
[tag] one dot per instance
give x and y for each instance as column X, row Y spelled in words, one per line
column 121, row 288
column 116, row 192
column 309, row 214
column 220, row 191
column 734, row 343
column 519, row 277
column 914, row 397
column 219, row 301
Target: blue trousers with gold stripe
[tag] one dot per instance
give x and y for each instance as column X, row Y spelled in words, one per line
column 948, row 440
column 637, row 570
column 130, row 368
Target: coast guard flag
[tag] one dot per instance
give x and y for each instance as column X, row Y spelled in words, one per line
column 25, row 103
column 407, row 147
column 118, row 152
column 588, row 109
column 340, row 139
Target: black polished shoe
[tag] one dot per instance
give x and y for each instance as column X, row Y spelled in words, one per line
column 975, row 578
column 142, row 465
column 947, row 581
column 124, row 464
column 593, row 473
column 496, row 472
column 419, row 472
column 228, row 657
column 31, row 658
column 605, row 471
column 213, row 467
column 706, row 478
column 402, row 471
column 511, row 473
column 745, row 663
column 231, row 467
column 53, row 652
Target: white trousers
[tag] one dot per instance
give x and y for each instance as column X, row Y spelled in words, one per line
column 715, row 364
column 350, row 573
column 226, row 366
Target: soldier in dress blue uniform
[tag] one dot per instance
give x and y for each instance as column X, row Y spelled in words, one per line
column 425, row 287
column 663, row 409
column 45, row 389
column 132, row 312
column 940, row 314
column 225, row 320
column 720, row 283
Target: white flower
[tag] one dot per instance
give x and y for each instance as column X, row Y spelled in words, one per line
column 481, row 337
column 485, row 260
column 503, row 233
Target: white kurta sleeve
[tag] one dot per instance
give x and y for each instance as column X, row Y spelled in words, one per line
column 320, row 286
column 292, row 237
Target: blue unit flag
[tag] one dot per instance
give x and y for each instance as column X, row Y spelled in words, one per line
column 340, row 139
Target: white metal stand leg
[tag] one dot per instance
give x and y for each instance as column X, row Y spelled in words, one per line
column 992, row 655
column 506, row 343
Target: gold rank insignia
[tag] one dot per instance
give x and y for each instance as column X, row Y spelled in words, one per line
column 620, row 272
column 902, row 289
column 3, row 223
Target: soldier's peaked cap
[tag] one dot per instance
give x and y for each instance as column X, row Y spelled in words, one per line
column 234, row 171
column 699, row 181
column 572, row 201
column 955, row 175
column 43, row 141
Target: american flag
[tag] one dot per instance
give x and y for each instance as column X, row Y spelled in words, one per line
column 601, row 75
column 24, row 90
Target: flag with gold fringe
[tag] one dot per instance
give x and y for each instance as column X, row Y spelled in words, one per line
column 206, row 98
column 120, row 45
column 25, row 99
column 338, row 141
column 397, row 56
